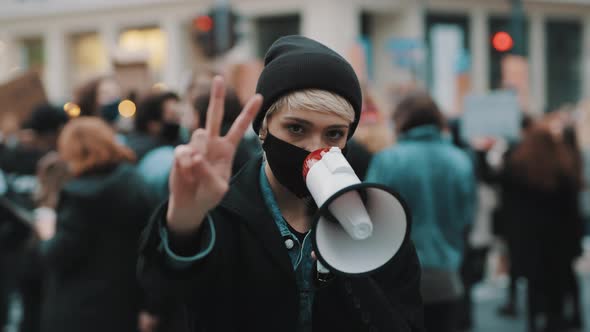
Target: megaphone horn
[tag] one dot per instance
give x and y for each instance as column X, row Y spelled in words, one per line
column 359, row 227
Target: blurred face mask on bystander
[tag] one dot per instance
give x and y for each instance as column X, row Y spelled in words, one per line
column 110, row 112
column 170, row 130
column 108, row 97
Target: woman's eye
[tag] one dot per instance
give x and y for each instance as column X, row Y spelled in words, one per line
column 295, row 129
column 335, row 134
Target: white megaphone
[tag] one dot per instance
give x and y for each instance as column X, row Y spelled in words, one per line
column 359, row 227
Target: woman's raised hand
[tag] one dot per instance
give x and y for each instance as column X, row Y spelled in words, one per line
column 202, row 168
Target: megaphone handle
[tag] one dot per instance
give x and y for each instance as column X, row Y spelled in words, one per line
column 322, row 269
column 323, row 274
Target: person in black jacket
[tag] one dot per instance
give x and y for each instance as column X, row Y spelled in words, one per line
column 90, row 254
column 15, row 232
column 542, row 187
column 236, row 255
column 38, row 139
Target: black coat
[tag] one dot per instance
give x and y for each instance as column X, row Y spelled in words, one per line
column 543, row 227
column 91, row 259
column 247, row 282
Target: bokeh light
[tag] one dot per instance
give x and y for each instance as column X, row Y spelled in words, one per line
column 72, row 109
column 127, row 108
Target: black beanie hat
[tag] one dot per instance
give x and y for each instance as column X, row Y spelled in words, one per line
column 296, row 63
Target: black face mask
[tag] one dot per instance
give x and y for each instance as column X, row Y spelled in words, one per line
column 170, row 131
column 110, row 112
column 286, row 162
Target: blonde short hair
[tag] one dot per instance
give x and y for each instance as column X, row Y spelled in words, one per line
column 312, row 99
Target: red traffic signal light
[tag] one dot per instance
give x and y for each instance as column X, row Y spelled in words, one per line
column 502, row 41
column 216, row 31
column 203, row 23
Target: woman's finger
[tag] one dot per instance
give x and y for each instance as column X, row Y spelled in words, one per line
column 216, row 107
column 210, row 177
column 183, row 162
column 199, row 141
column 239, row 127
column 182, row 155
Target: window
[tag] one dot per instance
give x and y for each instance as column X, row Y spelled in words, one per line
column 563, row 62
column 152, row 41
column 272, row 28
column 89, row 57
column 32, row 53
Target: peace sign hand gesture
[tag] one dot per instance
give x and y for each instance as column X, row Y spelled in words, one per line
column 202, row 168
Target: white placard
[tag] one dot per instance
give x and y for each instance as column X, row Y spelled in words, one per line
column 493, row 115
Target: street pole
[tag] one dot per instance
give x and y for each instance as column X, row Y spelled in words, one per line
column 221, row 19
column 517, row 22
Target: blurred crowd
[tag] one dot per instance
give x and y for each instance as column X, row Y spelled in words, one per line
column 77, row 191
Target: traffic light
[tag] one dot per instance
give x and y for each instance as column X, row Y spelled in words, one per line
column 203, row 34
column 203, row 24
column 502, row 41
column 216, row 32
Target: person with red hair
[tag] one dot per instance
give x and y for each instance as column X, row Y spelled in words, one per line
column 90, row 252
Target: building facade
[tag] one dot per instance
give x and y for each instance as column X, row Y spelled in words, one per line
column 71, row 41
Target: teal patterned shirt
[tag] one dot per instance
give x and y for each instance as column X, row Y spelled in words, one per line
column 299, row 253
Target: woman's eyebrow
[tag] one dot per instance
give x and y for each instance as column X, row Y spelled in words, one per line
column 339, row 127
column 309, row 123
column 298, row 120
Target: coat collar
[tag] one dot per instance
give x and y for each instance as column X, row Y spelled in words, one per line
column 98, row 180
column 423, row 133
column 245, row 199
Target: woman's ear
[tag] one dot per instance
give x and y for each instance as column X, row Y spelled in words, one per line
column 262, row 134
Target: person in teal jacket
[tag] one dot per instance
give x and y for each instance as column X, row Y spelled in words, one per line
column 437, row 181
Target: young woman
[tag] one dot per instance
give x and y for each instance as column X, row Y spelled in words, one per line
column 90, row 254
column 236, row 255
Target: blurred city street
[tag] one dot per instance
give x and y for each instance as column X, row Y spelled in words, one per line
column 489, row 297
